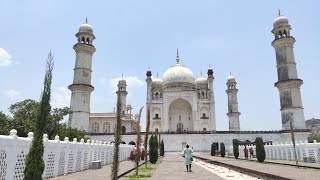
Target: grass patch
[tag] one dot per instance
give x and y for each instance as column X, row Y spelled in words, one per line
column 144, row 173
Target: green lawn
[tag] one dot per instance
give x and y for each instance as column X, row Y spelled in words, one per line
column 144, row 173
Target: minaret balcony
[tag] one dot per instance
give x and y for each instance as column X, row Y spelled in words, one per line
column 288, row 83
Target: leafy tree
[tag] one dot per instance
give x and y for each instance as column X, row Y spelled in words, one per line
column 162, row 148
column 261, row 153
column 117, row 139
column 34, row 160
column 223, row 150
column 213, row 150
column 314, row 137
column 235, row 143
column 24, row 116
column 71, row 133
column 5, row 124
column 55, row 128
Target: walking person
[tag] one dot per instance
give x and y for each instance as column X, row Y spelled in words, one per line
column 187, row 152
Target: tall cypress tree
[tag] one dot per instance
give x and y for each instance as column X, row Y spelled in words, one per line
column 223, row 150
column 261, row 153
column 117, row 141
column 162, row 148
column 34, row 161
column 235, row 143
column 213, row 150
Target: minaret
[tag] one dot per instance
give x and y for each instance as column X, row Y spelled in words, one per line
column 288, row 81
column 81, row 87
column 212, row 122
column 122, row 91
column 149, row 94
column 233, row 113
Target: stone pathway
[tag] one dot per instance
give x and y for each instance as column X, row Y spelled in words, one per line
column 280, row 170
column 99, row 174
column 172, row 168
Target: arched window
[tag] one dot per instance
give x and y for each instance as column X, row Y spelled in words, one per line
column 95, row 127
column 157, row 95
column 132, row 143
column 179, row 126
column 88, row 40
column 284, row 33
column 106, row 127
column 202, row 94
column 82, row 40
column 280, row 34
column 123, row 129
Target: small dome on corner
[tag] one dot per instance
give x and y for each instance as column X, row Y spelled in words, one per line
column 85, row 27
column 231, row 78
column 280, row 20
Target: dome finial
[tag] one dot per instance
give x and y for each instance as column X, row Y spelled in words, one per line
column 279, row 12
column 86, row 19
column 201, row 73
column 177, row 56
column 157, row 74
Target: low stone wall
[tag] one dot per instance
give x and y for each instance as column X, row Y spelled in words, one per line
column 60, row 157
column 285, row 151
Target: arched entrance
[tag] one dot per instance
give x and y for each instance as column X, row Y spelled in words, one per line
column 180, row 127
column 180, row 115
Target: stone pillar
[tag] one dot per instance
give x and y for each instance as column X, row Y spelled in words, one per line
column 81, row 87
column 233, row 112
column 288, row 82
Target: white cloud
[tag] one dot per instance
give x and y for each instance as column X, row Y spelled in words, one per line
column 132, row 82
column 5, row 58
column 61, row 98
column 12, row 93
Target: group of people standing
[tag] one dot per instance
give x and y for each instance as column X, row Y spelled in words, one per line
column 246, row 152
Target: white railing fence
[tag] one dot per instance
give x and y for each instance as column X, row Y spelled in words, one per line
column 60, row 157
column 285, row 151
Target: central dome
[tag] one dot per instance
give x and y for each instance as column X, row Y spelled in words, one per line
column 178, row 74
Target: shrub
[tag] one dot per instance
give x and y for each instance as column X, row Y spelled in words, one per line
column 261, row 153
column 153, row 152
column 235, row 143
column 223, row 150
column 162, row 148
column 213, row 150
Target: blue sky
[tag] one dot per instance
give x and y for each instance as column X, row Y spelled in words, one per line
column 231, row 36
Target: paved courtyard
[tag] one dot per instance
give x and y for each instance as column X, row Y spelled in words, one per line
column 100, row 174
column 172, row 168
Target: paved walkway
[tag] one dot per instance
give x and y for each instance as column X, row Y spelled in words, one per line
column 99, row 174
column 172, row 168
column 279, row 170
